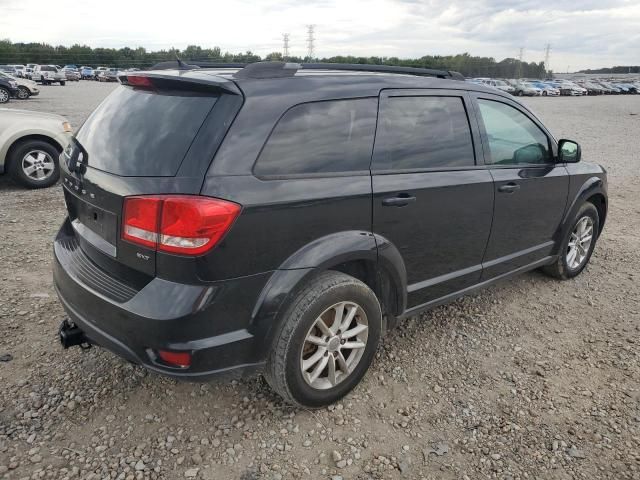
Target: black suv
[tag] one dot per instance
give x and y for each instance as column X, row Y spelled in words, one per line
column 281, row 217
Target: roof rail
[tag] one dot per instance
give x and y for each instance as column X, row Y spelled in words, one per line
column 357, row 67
column 259, row 70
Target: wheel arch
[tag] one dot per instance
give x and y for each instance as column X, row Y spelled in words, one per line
column 367, row 257
column 592, row 190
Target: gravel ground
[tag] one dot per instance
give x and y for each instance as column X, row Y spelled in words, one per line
column 533, row 378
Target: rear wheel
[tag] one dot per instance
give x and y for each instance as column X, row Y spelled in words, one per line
column 34, row 164
column 62, row 84
column 4, row 95
column 577, row 245
column 23, row 93
column 326, row 341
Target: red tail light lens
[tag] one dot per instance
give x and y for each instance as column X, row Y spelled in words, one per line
column 141, row 215
column 175, row 359
column 182, row 224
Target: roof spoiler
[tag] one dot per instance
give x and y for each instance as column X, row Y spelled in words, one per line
column 195, row 80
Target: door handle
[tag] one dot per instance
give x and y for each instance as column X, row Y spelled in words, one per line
column 509, row 188
column 400, row 200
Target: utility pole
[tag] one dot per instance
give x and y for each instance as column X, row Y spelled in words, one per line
column 520, row 55
column 311, row 48
column 285, row 46
column 547, row 53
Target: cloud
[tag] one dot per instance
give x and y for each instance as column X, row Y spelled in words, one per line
column 585, row 34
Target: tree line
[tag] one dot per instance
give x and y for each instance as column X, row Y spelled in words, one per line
column 619, row 69
column 42, row 53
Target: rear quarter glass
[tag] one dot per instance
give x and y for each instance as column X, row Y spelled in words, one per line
column 142, row 132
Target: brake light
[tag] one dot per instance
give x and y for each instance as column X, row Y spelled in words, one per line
column 182, row 224
column 139, row 81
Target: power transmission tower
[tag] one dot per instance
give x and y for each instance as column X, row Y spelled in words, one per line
column 547, row 54
column 285, row 46
column 311, row 48
column 520, row 55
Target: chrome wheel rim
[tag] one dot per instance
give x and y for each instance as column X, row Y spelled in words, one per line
column 4, row 95
column 334, row 345
column 38, row 165
column 579, row 243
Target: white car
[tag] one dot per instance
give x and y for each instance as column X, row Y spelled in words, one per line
column 26, row 88
column 30, row 144
column 48, row 74
column 498, row 84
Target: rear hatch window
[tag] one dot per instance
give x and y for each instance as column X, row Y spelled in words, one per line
column 138, row 132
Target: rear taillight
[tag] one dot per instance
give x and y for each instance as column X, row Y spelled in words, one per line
column 182, row 224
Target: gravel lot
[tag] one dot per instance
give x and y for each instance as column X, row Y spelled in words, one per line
column 530, row 379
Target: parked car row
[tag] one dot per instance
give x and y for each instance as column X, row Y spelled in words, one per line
column 48, row 74
column 557, row 86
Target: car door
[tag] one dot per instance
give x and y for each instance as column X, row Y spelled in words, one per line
column 530, row 187
column 431, row 199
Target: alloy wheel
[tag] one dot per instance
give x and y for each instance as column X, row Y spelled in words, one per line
column 38, row 165
column 334, row 345
column 4, row 95
column 23, row 93
column 579, row 243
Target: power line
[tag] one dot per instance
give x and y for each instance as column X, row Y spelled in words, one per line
column 285, row 46
column 311, row 48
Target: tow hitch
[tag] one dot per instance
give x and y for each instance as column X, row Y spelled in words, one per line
column 70, row 335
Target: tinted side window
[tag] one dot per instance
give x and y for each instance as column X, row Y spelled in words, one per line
column 513, row 137
column 321, row 137
column 423, row 132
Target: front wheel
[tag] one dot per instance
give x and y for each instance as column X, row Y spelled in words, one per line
column 4, row 95
column 578, row 244
column 62, row 84
column 34, row 164
column 23, row 93
column 326, row 341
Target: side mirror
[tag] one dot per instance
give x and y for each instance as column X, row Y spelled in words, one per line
column 568, row 151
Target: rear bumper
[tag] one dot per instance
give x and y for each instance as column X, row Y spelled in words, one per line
column 212, row 322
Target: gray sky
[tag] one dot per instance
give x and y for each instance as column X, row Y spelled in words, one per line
column 582, row 34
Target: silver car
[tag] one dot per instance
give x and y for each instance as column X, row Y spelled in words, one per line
column 30, row 144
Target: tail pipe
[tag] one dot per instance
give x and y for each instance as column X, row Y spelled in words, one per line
column 70, row 335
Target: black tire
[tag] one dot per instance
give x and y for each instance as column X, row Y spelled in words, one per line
column 520, row 93
column 19, row 151
column 23, row 93
column 5, row 95
column 283, row 370
column 561, row 269
column 62, row 84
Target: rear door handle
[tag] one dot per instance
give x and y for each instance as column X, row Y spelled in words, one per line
column 400, row 200
column 509, row 188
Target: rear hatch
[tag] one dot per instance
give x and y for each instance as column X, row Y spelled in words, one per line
column 158, row 137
